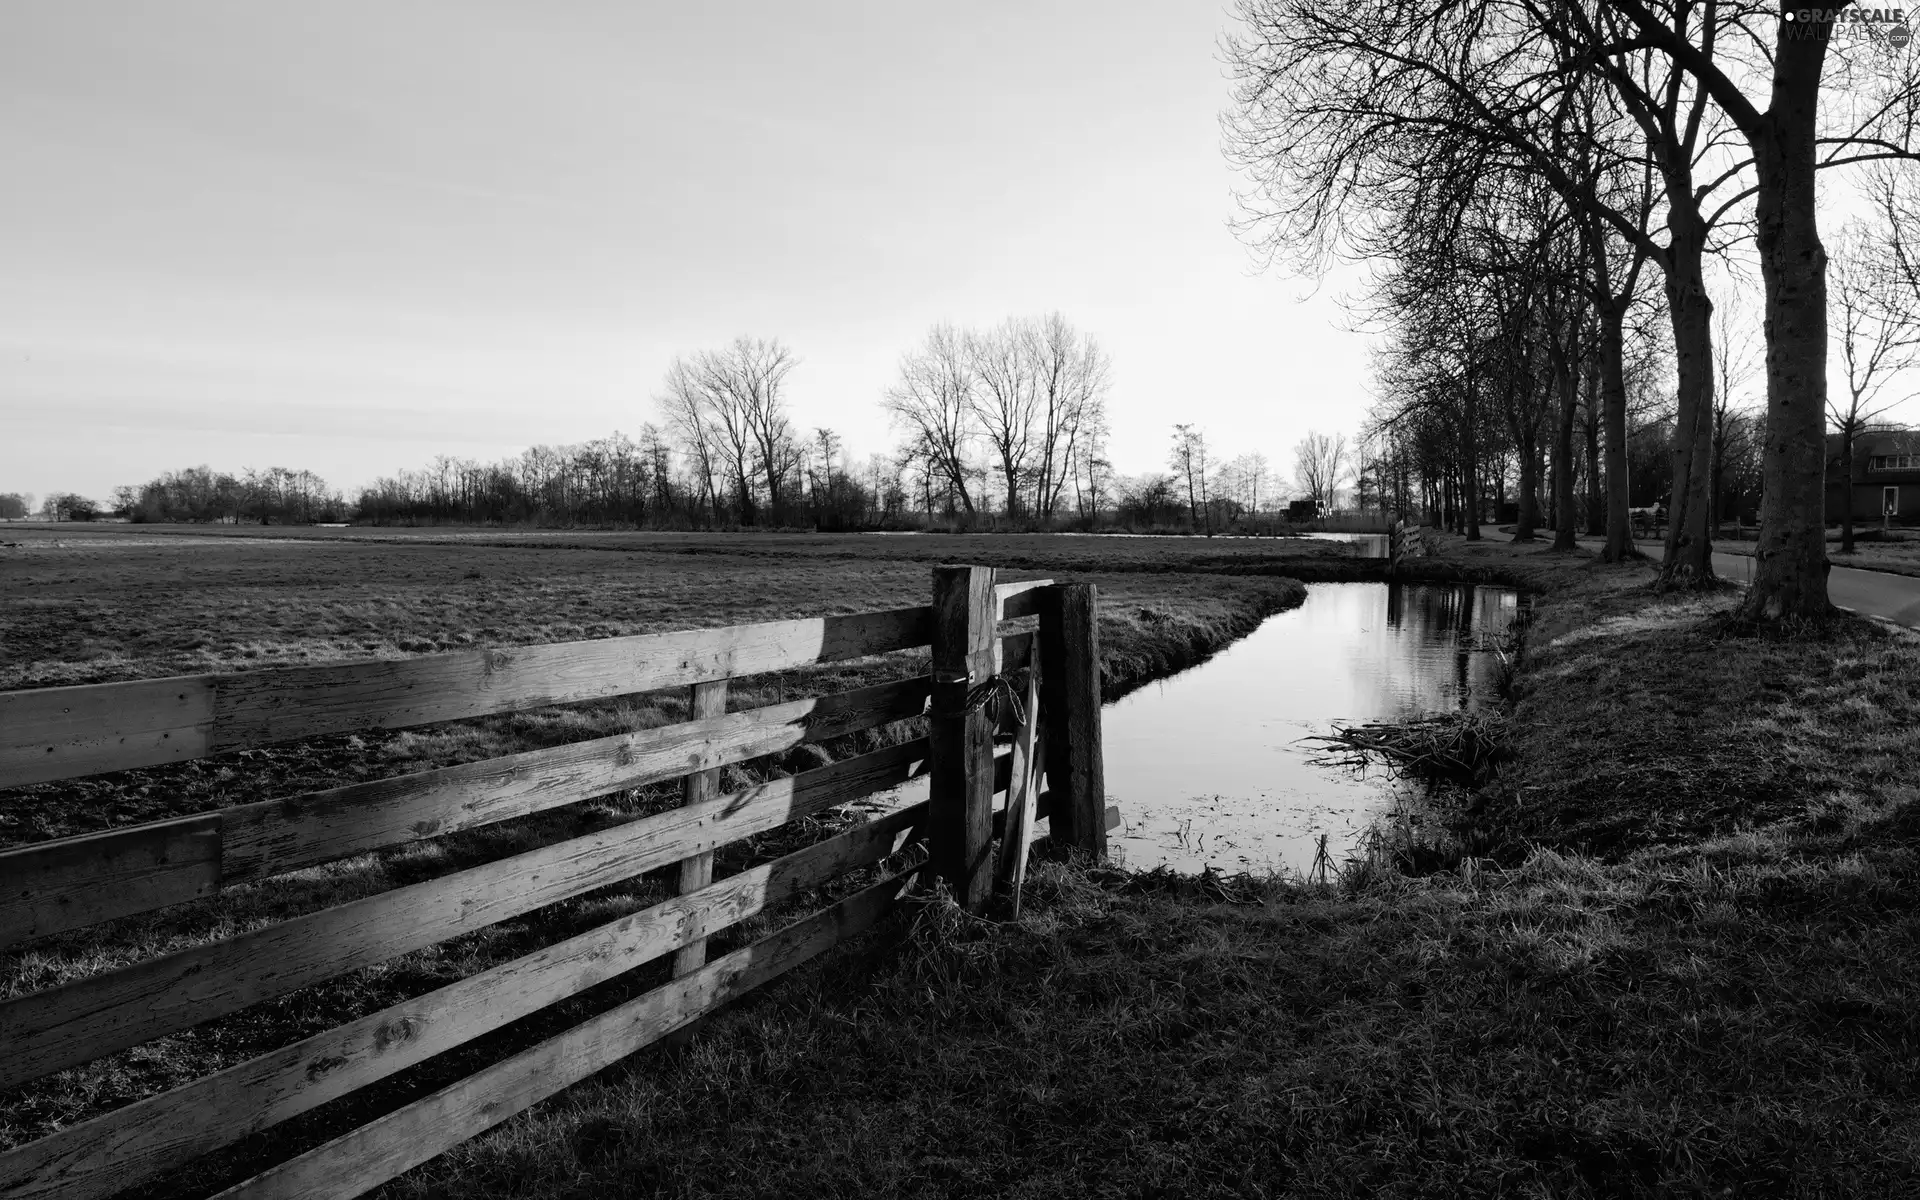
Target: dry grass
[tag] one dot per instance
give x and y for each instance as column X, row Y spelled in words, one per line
column 90, row 606
column 1562, row 1028
column 1647, row 720
column 1679, row 955
column 102, row 606
column 118, row 606
column 1723, row 999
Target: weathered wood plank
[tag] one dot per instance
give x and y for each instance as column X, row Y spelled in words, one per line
column 1015, row 600
column 57, row 733
column 1070, row 682
column 131, row 1145
column 709, row 700
column 273, row 836
column 97, row 877
column 72, row 882
column 378, row 1151
column 1043, row 810
column 82, row 1020
column 961, row 738
column 1025, row 765
column 1016, row 651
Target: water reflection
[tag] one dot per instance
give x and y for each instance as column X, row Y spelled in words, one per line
column 1366, row 545
column 1207, row 766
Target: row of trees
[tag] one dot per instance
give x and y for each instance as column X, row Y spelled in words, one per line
column 652, row 480
column 620, row 480
column 1526, row 167
column 276, row 495
column 1023, row 403
column 1009, row 420
column 198, row 494
column 59, row 506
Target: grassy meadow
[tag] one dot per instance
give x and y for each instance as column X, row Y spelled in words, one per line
column 84, row 606
column 1673, row 951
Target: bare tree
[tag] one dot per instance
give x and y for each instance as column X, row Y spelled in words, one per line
column 707, row 431
column 1877, row 319
column 1245, row 479
column 1350, row 111
column 1871, row 117
column 933, row 399
column 749, row 377
column 1355, row 120
column 1319, row 463
column 1188, row 459
column 1092, row 479
column 1073, row 375
column 1259, row 477
column 1733, row 426
column 1006, row 399
column 728, row 407
column 826, row 447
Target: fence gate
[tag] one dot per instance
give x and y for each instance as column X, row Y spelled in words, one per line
column 981, row 637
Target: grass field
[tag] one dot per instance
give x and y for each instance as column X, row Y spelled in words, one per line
column 101, row 605
column 1678, row 954
column 1673, row 951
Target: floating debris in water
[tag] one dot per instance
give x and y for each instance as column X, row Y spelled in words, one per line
column 1452, row 747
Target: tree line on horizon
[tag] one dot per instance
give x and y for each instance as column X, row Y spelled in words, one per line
column 197, row 494
column 1001, row 428
column 660, row 480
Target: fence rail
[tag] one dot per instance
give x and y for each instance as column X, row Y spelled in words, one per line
column 980, row 636
column 58, row 733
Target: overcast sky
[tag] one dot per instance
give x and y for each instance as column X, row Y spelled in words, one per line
column 350, row 236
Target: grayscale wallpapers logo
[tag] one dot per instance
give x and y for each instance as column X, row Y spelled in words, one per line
column 1850, row 23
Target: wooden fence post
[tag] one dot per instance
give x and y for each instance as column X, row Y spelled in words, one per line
column 709, row 700
column 960, row 752
column 1070, row 697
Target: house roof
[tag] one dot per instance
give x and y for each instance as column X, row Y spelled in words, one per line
column 1877, row 441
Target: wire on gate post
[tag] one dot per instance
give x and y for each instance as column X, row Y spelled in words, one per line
column 997, row 696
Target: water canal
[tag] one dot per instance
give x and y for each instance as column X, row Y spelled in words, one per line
column 1208, row 766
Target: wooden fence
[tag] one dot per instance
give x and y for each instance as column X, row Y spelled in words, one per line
column 984, row 655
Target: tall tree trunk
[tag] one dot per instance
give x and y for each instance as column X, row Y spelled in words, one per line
column 1542, row 482
column 1563, row 518
column 1790, row 561
column 1527, row 518
column 956, row 473
column 1688, row 560
column 1846, row 485
column 1613, row 406
column 1469, row 462
column 1590, row 428
column 1715, row 507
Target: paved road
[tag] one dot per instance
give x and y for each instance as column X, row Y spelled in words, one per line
column 1875, row 593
